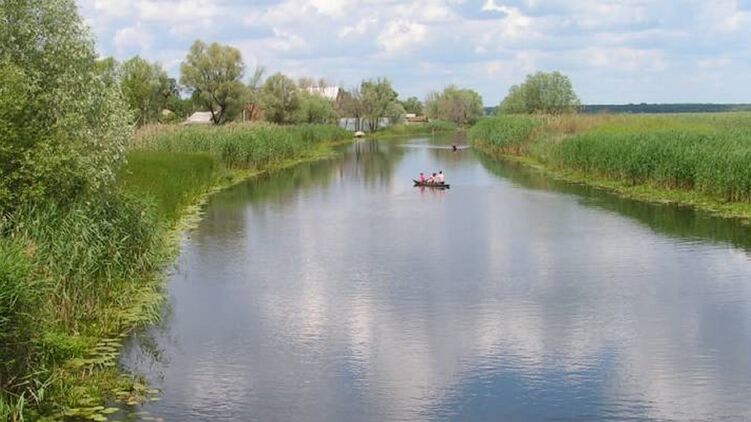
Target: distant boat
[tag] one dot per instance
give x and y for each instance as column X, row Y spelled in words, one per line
column 432, row 185
column 359, row 134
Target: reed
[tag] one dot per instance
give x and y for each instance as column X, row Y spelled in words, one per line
column 710, row 154
column 172, row 180
column 239, row 146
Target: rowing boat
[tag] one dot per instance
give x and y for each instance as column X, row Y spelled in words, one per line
column 432, row 185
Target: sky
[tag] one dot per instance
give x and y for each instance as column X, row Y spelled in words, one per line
column 614, row 51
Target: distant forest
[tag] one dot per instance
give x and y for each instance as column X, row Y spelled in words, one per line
column 654, row 108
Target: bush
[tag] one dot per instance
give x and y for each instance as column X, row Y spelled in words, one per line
column 62, row 125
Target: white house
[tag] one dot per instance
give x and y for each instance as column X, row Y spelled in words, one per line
column 331, row 93
column 199, row 118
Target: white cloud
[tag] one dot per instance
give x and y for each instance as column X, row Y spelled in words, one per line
column 400, row 35
column 462, row 42
column 133, row 38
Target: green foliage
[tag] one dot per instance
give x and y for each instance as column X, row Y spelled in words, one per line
column 181, row 108
column 711, row 161
column 704, row 153
column 395, row 112
column 146, row 88
column 65, row 272
column 214, row 73
column 315, row 109
column 504, row 132
column 541, row 92
column 434, row 126
column 18, row 297
column 280, row 99
column 461, row 106
column 412, row 105
column 62, row 124
column 376, row 96
column 241, row 146
column 172, row 180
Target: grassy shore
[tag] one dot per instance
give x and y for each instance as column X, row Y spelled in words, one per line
column 701, row 160
column 85, row 275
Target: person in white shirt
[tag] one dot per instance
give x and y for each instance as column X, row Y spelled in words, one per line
column 440, row 178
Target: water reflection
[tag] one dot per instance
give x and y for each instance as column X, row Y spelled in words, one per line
column 361, row 298
column 680, row 222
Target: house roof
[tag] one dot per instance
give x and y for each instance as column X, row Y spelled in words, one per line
column 199, row 117
column 328, row 92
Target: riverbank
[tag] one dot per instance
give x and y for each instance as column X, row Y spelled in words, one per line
column 695, row 160
column 85, row 276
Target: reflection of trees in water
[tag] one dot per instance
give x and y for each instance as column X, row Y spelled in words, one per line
column 374, row 161
column 678, row 222
column 225, row 211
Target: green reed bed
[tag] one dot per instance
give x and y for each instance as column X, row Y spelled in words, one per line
column 73, row 277
column 708, row 154
column 507, row 133
column 173, row 180
column 240, row 146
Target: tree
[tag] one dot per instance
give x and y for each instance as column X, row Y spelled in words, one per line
column 147, row 89
column 548, row 93
column 279, row 99
column 412, row 105
column 394, row 112
column 461, row 106
column 376, row 96
column 63, row 126
column 314, row 109
column 214, row 73
column 351, row 107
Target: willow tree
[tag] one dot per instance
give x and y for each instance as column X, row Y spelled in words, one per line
column 214, row 73
column 146, row 88
column 461, row 106
column 280, row 99
column 541, row 92
column 63, row 124
column 376, row 96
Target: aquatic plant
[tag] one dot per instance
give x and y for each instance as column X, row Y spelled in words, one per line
column 706, row 153
column 239, row 145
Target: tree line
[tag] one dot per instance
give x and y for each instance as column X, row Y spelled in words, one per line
column 213, row 79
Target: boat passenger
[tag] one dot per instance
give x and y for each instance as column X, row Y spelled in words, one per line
column 421, row 179
column 432, row 179
column 440, row 179
column 453, row 147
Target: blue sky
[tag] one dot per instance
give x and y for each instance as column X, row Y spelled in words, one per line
column 615, row 51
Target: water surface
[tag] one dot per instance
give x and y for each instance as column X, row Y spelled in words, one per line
column 337, row 291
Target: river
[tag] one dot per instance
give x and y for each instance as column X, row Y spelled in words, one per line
column 336, row 291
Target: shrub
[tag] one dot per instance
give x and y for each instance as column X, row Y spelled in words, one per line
column 62, row 125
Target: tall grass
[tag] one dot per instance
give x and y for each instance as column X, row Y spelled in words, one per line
column 172, row 180
column 66, row 275
column 508, row 134
column 710, row 154
column 240, row 145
